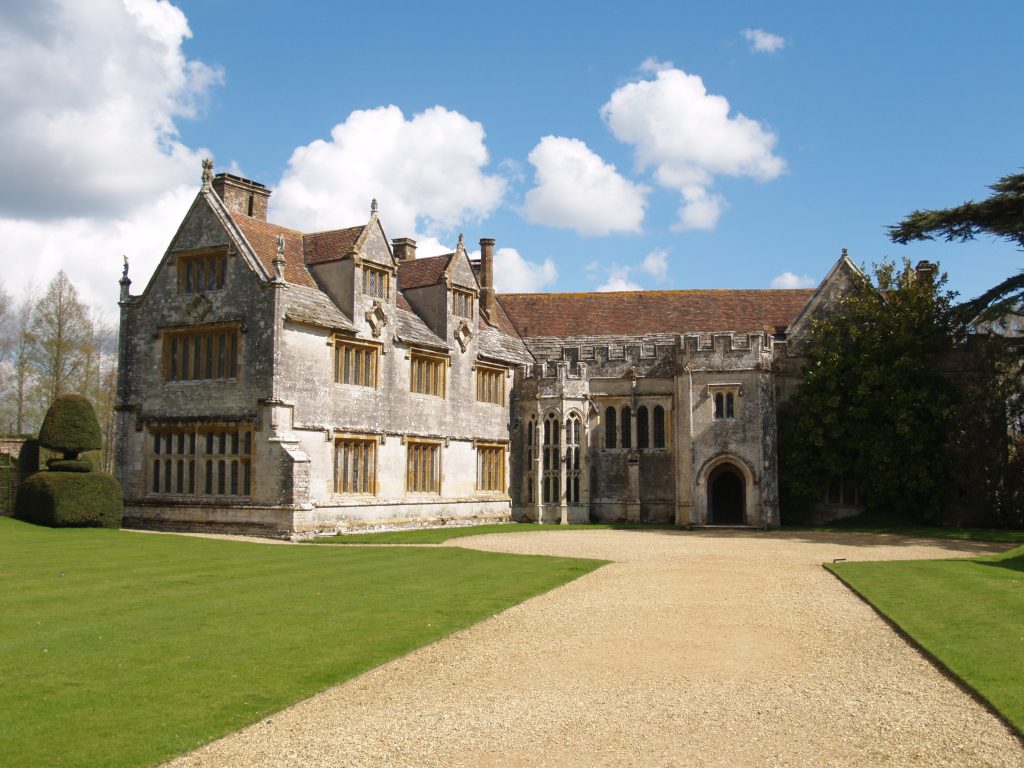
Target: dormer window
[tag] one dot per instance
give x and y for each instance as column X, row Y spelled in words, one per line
column 375, row 282
column 462, row 303
column 202, row 272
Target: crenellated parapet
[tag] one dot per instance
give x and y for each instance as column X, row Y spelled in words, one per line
column 556, row 379
column 648, row 355
column 726, row 351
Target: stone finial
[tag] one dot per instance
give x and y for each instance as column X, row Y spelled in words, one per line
column 125, row 282
column 462, row 243
column 844, row 254
column 374, row 208
column 279, row 260
column 207, row 172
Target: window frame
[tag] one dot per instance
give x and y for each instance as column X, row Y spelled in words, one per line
column 416, row 451
column 573, row 457
column 490, row 467
column 725, row 401
column 658, row 434
column 186, row 272
column 362, row 352
column 215, row 349
column 364, row 448
column 490, row 384
column 611, row 430
column 551, row 454
column 375, row 281
column 436, row 365
column 462, row 303
column 531, row 457
column 643, row 432
column 216, row 459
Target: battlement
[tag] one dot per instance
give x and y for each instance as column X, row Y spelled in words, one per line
column 650, row 355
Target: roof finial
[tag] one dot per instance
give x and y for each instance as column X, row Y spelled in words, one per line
column 279, row 260
column 124, row 282
column 844, row 253
column 373, row 206
column 462, row 243
column 207, row 172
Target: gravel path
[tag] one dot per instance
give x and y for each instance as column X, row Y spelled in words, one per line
column 702, row 649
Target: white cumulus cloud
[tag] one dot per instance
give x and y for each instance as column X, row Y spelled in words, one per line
column 91, row 160
column 793, row 280
column 687, row 137
column 651, row 64
column 89, row 93
column 514, row 274
column 655, row 264
column 427, row 172
column 578, row 190
column 764, row 42
column 618, row 280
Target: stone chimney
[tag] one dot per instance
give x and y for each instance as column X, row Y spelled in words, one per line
column 404, row 248
column 242, row 195
column 487, row 300
column 925, row 270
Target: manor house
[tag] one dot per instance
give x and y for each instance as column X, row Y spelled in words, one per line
column 278, row 382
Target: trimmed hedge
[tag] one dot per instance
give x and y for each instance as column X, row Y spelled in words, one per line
column 70, row 426
column 69, row 465
column 70, row 500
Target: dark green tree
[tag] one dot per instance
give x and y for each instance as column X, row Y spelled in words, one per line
column 874, row 406
column 1000, row 215
column 71, row 426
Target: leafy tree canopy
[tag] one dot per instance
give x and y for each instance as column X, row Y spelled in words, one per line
column 1000, row 215
column 874, row 406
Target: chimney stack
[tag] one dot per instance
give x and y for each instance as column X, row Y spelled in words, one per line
column 487, row 299
column 242, row 195
column 925, row 270
column 404, row 248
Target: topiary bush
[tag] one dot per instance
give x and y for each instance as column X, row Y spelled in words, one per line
column 69, row 465
column 70, row 494
column 71, row 426
column 70, row 500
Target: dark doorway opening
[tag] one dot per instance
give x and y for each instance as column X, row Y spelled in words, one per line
column 726, row 496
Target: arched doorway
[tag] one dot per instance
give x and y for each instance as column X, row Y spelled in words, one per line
column 726, row 496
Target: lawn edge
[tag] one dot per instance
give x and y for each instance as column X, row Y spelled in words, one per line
column 934, row 660
column 382, row 664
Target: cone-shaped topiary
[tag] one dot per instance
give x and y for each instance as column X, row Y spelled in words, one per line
column 71, row 427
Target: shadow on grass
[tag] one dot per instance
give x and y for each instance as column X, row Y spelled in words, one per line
column 1015, row 563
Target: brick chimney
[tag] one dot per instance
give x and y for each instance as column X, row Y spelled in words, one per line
column 487, row 299
column 925, row 270
column 404, row 248
column 242, row 195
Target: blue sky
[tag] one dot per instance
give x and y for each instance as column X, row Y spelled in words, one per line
column 603, row 145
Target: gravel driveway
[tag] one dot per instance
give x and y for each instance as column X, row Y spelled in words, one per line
column 702, row 649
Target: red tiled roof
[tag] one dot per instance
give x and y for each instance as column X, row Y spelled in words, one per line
column 262, row 236
column 638, row 312
column 402, row 303
column 331, row 246
column 418, row 273
column 501, row 321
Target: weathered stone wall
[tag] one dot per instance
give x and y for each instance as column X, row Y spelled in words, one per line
column 679, row 373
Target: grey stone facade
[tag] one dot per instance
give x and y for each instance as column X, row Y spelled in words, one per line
column 280, row 383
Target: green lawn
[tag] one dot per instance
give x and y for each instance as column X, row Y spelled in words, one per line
column 968, row 614
column 124, row 649
column 438, row 535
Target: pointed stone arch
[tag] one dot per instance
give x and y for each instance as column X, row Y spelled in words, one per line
column 727, row 492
